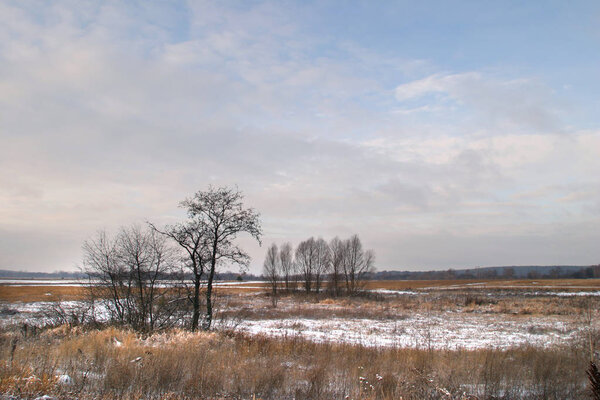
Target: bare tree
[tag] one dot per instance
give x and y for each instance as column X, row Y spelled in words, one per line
column 220, row 213
column 337, row 248
column 124, row 273
column 322, row 261
column 357, row 264
column 107, row 280
column 191, row 236
column 271, row 267
column 305, row 262
column 287, row 264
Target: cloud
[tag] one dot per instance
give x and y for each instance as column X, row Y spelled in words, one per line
column 515, row 104
column 112, row 113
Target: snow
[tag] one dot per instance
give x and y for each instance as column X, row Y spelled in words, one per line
column 566, row 294
column 419, row 329
column 449, row 330
column 396, row 292
column 41, row 312
column 65, row 379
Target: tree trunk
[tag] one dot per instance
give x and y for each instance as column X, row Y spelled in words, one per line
column 196, row 303
column 207, row 322
column 213, row 265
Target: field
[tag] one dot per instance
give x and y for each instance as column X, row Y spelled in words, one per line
column 520, row 339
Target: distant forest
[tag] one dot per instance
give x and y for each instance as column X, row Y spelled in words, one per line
column 502, row 272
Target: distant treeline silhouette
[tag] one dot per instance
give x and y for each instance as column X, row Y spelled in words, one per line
column 502, row 272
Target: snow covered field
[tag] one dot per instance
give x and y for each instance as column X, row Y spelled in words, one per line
column 423, row 330
column 463, row 316
column 448, row 330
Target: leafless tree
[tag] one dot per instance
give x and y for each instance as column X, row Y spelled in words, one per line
column 357, row 264
column 322, row 261
column 271, row 268
column 305, row 262
column 337, row 248
column 148, row 258
column 124, row 273
column 192, row 238
column 220, row 213
column 107, row 279
column 287, row 264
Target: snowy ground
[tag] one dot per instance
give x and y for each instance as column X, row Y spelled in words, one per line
column 425, row 330
column 45, row 312
column 448, row 330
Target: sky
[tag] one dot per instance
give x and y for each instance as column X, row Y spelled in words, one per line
column 446, row 134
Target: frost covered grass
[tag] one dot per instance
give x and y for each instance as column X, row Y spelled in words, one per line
column 118, row 364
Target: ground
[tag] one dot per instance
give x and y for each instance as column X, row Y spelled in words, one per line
column 505, row 336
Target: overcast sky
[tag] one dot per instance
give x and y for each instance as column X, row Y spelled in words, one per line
column 446, row 134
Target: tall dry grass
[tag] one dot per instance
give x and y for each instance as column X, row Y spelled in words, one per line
column 119, row 364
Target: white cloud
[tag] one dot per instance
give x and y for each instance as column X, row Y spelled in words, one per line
column 505, row 104
column 449, row 84
column 109, row 118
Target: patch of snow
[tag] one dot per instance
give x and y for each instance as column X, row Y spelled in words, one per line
column 65, row 379
column 397, row 292
column 437, row 331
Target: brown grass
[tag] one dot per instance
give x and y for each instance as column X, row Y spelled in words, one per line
column 179, row 364
column 589, row 284
column 48, row 293
column 373, row 306
column 32, row 293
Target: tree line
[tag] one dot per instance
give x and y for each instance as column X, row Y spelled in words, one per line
column 152, row 277
column 339, row 266
column 506, row 272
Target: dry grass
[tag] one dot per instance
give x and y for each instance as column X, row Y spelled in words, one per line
column 588, row 284
column 408, row 285
column 378, row 306
column 117, row 364
column 250, row 303
column 33, row 293
column 181, row 365
column 48, row 293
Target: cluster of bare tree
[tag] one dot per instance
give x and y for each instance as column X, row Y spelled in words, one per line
column 124, row 271
column 341, row 264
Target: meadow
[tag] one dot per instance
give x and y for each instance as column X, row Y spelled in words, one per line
column 525, row 339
